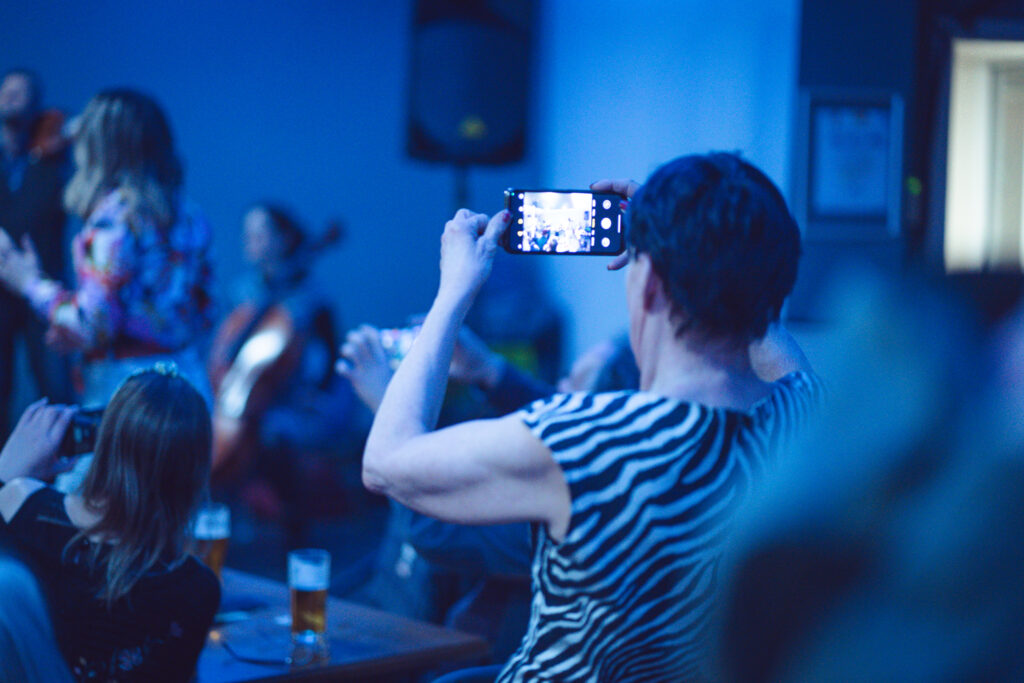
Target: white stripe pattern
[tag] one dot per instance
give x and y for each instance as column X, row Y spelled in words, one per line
column 628, row 595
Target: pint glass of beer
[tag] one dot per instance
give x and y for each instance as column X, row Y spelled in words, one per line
column 309, row 575
column 212, row 531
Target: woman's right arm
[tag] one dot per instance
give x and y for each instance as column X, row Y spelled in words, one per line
column 90, row 316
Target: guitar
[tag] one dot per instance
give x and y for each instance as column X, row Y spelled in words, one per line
column 255, row 351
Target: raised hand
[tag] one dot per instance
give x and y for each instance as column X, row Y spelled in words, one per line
column 18, row 267
column 365, row 364
column 468, row 246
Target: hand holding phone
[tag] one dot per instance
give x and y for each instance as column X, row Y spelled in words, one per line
column 564, row 222
column 625, row 188
column 397, row 342
column 365, row 363
column 31, row 449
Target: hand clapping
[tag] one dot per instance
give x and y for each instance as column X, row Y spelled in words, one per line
column 18, row 267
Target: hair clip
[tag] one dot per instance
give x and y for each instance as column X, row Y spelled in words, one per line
column 167, row 368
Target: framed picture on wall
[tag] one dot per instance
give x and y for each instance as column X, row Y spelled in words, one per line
column 850, row 162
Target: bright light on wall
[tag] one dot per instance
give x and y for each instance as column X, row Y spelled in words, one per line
column 985, row 169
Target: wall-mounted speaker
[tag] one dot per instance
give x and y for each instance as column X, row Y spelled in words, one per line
column 468, row 80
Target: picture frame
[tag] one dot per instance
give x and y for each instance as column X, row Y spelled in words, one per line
column 849, row 164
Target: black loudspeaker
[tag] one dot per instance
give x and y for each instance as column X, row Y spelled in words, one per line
column 468, row 80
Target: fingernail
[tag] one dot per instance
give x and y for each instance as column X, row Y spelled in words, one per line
column 507, row 217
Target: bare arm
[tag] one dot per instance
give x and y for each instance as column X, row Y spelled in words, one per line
column 481, row 472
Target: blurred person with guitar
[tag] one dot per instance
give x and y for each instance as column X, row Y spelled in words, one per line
column 277, row 399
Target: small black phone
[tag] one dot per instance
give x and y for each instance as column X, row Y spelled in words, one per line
column 564, row 222
column 80, row 437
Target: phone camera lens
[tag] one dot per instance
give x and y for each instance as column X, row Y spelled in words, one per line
column 606, row 204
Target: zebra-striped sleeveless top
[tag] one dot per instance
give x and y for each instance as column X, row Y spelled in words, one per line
column 627, row 596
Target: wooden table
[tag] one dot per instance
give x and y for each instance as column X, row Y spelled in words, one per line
column 364, row 643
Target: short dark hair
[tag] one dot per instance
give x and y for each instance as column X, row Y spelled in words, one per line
column 35, row 84
column 720, row 236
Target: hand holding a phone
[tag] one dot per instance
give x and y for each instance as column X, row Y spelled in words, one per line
column 365, row 364
column 468, row 245
column 625, row 188
column 31, row 449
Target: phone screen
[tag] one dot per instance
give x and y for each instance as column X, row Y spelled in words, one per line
column 397, row 342
column 564, row 222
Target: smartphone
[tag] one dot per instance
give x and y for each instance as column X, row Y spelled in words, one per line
column 564, row 222
column 397, row 342
column 80, row 437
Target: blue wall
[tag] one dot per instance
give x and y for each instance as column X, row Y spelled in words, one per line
column 628, row 86
column 305, row 102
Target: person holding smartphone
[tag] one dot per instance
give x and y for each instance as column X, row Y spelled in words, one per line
column 630, row 493
column 126, row 599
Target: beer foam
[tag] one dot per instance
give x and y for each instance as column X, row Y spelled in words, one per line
column 308, row 577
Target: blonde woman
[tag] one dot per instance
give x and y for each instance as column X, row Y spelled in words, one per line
column 141, row 258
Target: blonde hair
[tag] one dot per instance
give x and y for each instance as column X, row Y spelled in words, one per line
column 149, row 473
column 124, row 143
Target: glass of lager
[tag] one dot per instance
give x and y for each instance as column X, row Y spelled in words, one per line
column 309, row 575
column 212, row 531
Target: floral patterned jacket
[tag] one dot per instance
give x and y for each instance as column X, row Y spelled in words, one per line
column 141, row 289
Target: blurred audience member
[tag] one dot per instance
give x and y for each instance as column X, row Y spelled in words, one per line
column 630, row 493
column 888, row 547
column 143, row 291
column 33, row 171
column 28, row 646
column 127, row 601
column 516, row 315
column 283, row 421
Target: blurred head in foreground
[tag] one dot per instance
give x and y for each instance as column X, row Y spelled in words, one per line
column 888, row 547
